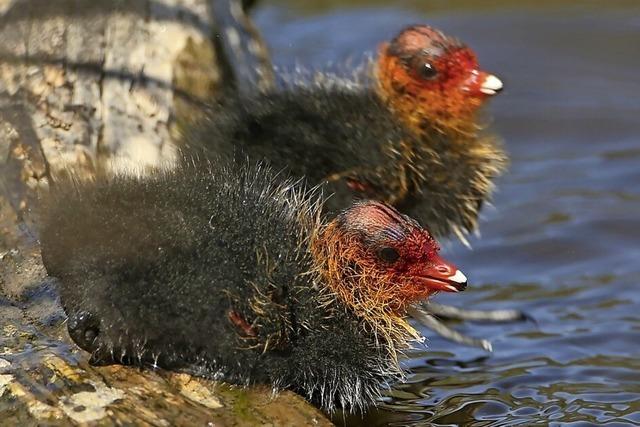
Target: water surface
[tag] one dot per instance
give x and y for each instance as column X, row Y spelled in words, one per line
column 562, row 240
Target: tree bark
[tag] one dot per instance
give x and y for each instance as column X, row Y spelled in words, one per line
column 98, row 83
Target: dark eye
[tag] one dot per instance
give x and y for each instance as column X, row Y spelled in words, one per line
column 427, row 71
column 389, row 255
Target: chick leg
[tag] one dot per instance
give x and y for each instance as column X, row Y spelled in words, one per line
column 445, row 331
column 84, row 329
column 450, row 312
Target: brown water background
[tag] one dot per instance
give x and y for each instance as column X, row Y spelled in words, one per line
column 562, row 241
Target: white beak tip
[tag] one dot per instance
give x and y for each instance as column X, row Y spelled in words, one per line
column 459, row 277
column 491, row 85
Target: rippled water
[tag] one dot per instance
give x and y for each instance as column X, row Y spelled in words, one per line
column 562, row 242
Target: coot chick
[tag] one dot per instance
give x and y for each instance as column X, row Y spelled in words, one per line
column 412, row 137
column 231, row 273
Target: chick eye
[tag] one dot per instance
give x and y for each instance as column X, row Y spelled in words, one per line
column 389, row 255
column 427, row 71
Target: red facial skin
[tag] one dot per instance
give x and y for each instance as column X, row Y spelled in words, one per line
column 376, row 257
column 429, row 78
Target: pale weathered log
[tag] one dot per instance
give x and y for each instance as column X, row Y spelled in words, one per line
column 88, row 86
column 97, row 78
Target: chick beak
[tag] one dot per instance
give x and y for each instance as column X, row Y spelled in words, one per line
column 490, row 84
column 482, row 84
column 441, row 275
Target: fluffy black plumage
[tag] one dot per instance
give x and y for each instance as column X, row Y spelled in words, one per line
column 309, row 132
column 208, row 270
column 345, row 138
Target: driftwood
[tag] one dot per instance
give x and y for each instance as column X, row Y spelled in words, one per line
column 96, row 86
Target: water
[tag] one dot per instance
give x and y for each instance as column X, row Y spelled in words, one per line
column 562, row 242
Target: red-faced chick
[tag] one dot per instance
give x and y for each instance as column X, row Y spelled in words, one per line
column 412, row 137
column 231, row 273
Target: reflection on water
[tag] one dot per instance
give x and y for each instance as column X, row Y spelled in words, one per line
column 562, row 241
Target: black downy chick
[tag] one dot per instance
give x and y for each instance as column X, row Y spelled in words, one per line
column 410, row 137
column 230, row 273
